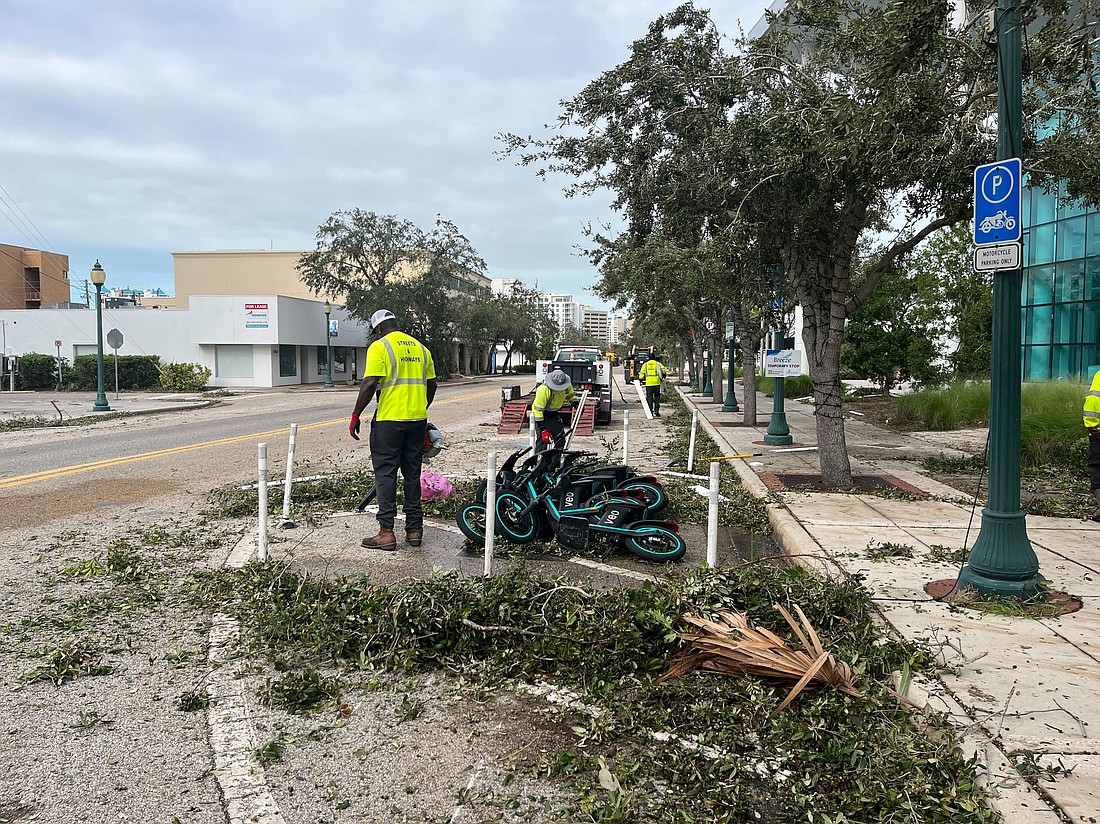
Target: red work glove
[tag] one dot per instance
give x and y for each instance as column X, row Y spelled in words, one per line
column 353, row 427
column 546, row 436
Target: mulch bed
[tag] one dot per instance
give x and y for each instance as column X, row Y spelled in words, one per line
column 861, row 484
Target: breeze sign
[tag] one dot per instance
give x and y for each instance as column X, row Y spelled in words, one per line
column 782, row 363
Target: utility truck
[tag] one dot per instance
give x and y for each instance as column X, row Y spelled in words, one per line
column 588, row 368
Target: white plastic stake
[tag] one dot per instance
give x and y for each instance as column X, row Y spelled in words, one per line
column 289, row 471
column 261, row 537
column 712, row 515
column 626, row 433
column 531, row 427
column 691, row 441
column 490, row 509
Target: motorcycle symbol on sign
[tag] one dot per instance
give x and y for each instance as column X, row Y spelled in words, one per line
column 1000, row 220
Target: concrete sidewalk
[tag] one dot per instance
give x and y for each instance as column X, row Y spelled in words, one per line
column 54, row 406
column 1010, row 684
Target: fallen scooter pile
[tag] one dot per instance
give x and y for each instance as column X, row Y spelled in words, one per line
column 557, row 494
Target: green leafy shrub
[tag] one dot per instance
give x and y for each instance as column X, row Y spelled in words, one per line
column 524, row 369
column 134, row 371
column 37, row 371
column 184, row 377
column 800, row 387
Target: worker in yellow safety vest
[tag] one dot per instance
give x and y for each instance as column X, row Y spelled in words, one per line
column 1092, row 426
column 400, row 369
column 551, row 395
column 653, row 372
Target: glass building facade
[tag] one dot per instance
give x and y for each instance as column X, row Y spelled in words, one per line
column 1061, row 290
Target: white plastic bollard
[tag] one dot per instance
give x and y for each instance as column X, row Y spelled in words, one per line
column 626, row 433
column 712, row 515
column 289, row 471
column 490, row 509
column 691, row 441
column 261, row 537
column 531, row 427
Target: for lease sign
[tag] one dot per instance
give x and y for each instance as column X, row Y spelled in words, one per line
column 255, row 316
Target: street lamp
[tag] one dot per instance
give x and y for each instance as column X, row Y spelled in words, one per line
column 328, row 346
column 731, row 399
column 1002, row 562
column 99, row 277
column 779, row 433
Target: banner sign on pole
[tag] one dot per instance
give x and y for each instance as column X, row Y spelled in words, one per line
column 782, row 363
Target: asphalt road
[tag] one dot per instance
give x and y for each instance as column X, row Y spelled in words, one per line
column 51, row 472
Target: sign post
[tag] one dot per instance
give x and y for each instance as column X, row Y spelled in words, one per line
column 114, row 340
column 60, row 380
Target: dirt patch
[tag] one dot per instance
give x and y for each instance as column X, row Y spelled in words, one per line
column 27, row 509
column 861, row 484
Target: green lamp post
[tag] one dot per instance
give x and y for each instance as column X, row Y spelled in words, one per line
column 328, row 346
column 779, row 433
column 1002, row 562
column 98, row 277
column 731, row 399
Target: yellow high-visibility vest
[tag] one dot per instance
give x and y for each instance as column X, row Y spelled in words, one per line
column 1092, row 404
column 547, row 400
column 653, row 371
column 403, row 366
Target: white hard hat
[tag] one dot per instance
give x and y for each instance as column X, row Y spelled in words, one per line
column 379, row 316
column 558, row 380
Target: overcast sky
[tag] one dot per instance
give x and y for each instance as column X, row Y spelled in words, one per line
column 135, row 129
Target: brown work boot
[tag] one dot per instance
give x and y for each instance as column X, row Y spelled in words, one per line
column 385, row 539
column 414, row 537
column 1096, row 495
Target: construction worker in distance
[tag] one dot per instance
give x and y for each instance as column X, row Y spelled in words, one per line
column 1092, row 426
column 550, row 396
column 652, row 373
column 400, row 369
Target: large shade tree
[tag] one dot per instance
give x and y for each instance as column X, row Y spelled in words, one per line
column 374, row 261
column 846, row 118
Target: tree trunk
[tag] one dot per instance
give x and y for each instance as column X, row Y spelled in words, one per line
column 748, row 386
column 823, row 338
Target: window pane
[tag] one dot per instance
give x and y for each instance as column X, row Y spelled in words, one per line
column 1067, row 361
column 1092, row 279
column 1039, row 284
column 339, row 359
column 1040, row 244
column 1070, row 281
column 1090, row 323
column 288, row 360
column 322, row 361
column 1092, row 238
column 1071, row 238
column 1037, row 324
column 1042, row 207
column 233, row 360
column 1036, row 363
column 1067, row 322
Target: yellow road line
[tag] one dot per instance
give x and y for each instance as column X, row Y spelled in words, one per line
column 60, row 472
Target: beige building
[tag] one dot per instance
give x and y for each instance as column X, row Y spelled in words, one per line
column 32, row 279
column 273, row 272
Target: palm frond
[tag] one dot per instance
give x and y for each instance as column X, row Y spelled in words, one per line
column 729, row 645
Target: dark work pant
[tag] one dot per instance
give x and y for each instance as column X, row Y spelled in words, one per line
column 1094, row 461
column 552, row 423
column 398, row 445
column 653, row 398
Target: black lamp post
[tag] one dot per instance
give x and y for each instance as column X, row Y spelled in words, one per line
column 779, row 433
column 730, row 404
column 328, row 346
column 98, row 278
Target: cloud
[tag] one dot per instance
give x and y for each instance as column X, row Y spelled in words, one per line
column 135, row 129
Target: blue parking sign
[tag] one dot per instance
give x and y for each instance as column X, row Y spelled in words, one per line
column 998, row 202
